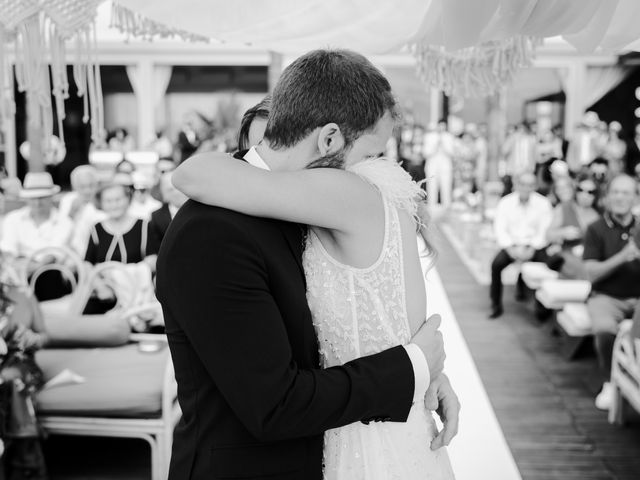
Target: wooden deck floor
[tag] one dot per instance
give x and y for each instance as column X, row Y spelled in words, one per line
column 543, row 402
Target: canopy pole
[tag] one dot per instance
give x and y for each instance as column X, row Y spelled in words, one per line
column 435, row 105
column 496, row 106
column 35, row 134
column 574, row 107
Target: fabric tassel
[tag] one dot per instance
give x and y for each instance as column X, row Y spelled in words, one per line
column 476, row 71
column 134, row 24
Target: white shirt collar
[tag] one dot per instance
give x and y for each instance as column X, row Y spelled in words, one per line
column 253, row 158
column 172, row 210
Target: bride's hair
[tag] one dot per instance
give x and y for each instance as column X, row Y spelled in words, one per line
column 327, row 86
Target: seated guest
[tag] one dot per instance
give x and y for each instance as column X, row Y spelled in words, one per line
column 559, row 171
column 571, row 217
column 35, row 226
column 612, row 261
column 79, row 205
column 521, row 222
column 120, row 237
column 173, row 199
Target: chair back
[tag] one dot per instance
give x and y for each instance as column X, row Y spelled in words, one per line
column 67, row 262
column 115, row 275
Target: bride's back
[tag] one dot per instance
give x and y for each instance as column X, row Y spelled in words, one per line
column 365, row 287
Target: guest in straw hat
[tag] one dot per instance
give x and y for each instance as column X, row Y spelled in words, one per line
column 35, row 226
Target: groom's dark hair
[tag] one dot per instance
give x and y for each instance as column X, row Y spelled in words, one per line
column 327, row 86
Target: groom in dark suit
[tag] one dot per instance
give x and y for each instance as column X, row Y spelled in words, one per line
column 255, row 401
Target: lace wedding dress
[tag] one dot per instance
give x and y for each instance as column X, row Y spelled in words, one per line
column 362, row 311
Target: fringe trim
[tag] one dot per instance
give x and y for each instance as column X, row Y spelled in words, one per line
column 133, row 24
column 39, row 32
column 476, row 71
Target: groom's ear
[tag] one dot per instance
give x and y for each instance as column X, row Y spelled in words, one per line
column 330, row 139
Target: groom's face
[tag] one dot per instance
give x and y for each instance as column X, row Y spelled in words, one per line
column 370, row 144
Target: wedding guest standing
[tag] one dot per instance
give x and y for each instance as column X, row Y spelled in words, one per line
column 439, row 149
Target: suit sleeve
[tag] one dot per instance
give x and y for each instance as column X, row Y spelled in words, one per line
column 154, row 237
column 217, row 280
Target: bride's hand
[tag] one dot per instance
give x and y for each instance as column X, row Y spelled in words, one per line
column 441, row 398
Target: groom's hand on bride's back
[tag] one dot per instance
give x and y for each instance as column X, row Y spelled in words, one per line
column 429, row 339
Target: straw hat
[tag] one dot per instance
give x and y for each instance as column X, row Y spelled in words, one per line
column 38, row 185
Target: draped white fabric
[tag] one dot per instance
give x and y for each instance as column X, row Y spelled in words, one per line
column 600, row 81
column 378, row 26
column 133, row 74
column 463, row 47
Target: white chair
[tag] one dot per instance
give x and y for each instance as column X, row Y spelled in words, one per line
column 534, row 273
column 67, row 262
column 625, row 373
column 575, row 327
column 555, row 293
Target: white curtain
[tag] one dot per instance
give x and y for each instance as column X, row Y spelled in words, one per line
column 133, row 72
column 600, row 81
column 161, row 79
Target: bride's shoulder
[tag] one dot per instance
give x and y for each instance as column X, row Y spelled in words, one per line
column 394, row 183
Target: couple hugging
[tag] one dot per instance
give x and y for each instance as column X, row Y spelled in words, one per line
column 294, row 299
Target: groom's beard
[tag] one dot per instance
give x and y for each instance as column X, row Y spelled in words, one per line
column 335, row 160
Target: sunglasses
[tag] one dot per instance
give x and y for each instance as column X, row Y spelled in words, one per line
column 590, row 191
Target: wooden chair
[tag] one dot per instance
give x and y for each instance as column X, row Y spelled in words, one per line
column 625, row 373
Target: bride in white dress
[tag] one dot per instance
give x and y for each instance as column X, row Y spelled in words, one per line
column 365, row 285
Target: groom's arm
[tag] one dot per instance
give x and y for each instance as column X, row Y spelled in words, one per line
column 232, row 321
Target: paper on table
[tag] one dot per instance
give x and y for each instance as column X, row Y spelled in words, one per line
column 65, row 377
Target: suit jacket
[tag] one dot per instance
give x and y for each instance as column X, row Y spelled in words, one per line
column 158, row 225
column 255, row 402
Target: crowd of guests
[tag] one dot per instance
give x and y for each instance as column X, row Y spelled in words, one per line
column 585, row 227
column 100, row 221
column 571, row 204
column 117, row 220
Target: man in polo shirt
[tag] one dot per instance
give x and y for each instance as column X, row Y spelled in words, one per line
column 612, row 261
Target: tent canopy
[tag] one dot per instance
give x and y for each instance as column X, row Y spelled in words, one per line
column 463, row 47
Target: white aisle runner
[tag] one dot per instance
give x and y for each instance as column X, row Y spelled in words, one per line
column 480, row 451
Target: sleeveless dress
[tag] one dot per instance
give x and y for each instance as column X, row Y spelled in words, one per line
column 363, row 311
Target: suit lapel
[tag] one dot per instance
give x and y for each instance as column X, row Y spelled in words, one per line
column 166, row 216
